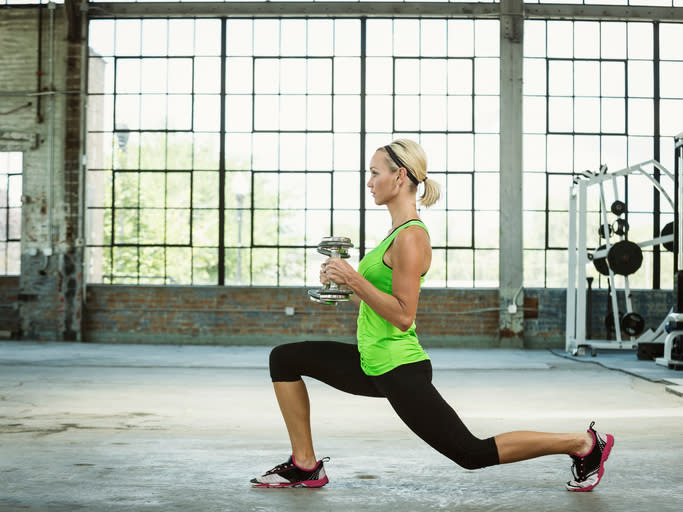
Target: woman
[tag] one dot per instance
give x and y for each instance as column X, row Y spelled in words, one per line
column 389, row 361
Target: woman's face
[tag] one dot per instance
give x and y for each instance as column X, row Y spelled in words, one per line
column 382, row 182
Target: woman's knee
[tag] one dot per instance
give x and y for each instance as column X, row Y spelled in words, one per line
column 479, row 453
column 283, row 363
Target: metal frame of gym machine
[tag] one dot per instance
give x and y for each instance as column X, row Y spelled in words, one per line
column 673, row 323
column 579, row 257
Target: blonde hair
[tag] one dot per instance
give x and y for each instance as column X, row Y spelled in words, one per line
column 414, row 159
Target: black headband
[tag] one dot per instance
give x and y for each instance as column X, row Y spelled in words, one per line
column 398, row 162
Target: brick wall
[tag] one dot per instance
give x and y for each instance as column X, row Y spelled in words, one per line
column 208, row 314
column 9, row 317
column 33, row 41
column 549, row 328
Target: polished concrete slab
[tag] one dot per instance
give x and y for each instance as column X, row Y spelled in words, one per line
column 166, row 428
column 626, row 361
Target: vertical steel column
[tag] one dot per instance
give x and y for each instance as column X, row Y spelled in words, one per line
column 363, row 133
column 678, row 199
column 221, row 163
column 656, row 227
column 511, row 326
column 573, row 263
column 581, row 251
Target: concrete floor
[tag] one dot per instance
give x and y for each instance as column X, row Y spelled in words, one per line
column 166, row 428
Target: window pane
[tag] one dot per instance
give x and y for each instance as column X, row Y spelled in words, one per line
column 613, row 79
column 207, row 75
column 640, row 79
column 613, row 40
column 558, row 229
column 534, row 76
column 587, row 115
column 292, row 267
column 556, row 269
column 292, row 227
column 238, row 228
column 179, row 151
column 534, row 268
column 182, row 42
column 345, row 188
column 587, row 39
column 586, row 78
column 264, row 271
column 460, row 268
column 180, row 222
column 178, row 190
column 534, row 191
column 126, row 224
column 486, row 229
column 486, row 266
column 179, row 265
column 152, row 226
column 486, row 187
column 560, row 115
column 560, row 78
column 459, row 229
column 262, row 219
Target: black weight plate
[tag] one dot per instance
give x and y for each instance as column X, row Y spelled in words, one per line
column 601, row 263
column 618, row 207
column 625, row 257
column 601, row 231
column 621, row 228
column 632, row 324
column 668, row 229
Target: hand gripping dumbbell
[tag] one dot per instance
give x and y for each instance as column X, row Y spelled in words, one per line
column 332, row 293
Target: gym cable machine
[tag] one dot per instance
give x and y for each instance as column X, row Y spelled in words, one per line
column 618, row 256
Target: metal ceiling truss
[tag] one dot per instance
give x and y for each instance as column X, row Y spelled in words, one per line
column 381, row 10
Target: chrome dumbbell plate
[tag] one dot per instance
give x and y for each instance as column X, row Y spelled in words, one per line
column 331, row 293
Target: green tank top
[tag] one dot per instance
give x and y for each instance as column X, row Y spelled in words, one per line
column 383, row 346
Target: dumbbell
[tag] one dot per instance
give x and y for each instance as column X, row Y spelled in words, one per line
column 332, row 293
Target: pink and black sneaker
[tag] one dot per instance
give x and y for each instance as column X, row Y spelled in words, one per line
column 289, row 474
column 588, row 469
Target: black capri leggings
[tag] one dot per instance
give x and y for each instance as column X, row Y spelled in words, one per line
column 408, row 388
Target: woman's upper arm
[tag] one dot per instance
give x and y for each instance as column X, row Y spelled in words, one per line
column 408, row 262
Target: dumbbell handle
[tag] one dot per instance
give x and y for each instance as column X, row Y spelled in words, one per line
column 333, row 253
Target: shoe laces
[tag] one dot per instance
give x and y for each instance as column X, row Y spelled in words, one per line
column 578, row 467
column 280, row 467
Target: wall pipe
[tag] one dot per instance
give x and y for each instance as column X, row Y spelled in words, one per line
column 51, row 131
column 39, row 71
column 83, row 146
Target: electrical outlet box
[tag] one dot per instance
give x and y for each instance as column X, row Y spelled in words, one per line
column 289, row 311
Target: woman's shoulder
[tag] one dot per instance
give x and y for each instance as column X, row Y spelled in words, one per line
column 414, row 232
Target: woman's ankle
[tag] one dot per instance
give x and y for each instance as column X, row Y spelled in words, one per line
column 587, row 444
column 303, row 462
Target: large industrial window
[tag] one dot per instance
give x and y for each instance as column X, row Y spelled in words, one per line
column 223, row 154
column 10, row 212
column 437, row 81
column 154, row 146
column 596, row 93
